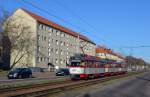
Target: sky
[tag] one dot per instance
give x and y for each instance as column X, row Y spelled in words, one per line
column 114, row 23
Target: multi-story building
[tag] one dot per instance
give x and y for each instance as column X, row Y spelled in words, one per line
column 54, row 43
column 107, row 53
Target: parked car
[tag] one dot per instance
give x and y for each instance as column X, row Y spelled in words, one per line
column 20, row 73
column 62, row 72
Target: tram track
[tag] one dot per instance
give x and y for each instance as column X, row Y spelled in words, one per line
column 48, row 88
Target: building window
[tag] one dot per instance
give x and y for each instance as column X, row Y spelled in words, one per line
column 50, row 29
column 62, row 34
column 45, row 58
column 49, row 49
column 40, row 26
column 38, row 59
column 49, row 44
column 38, row 48
column 45, row 38
column 44, row 27
column 67, row 35
column 52, row 50
column 64, row 43
column 47, row 28
column 49, row 54
column 49, row 39
column 67, row 44
column 64, row 61
column 50, row 34
column 54, row 31
column 42, row 37
column 38, row 37
column 56, row 60
column 56, row 51
column 61, row 52
column 49, row 60
column 57, row 33
column 61, row 61
column 61, row 43
column 57, row 42
column 41, row 59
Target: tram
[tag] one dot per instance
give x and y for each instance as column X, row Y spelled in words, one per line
column 84, row 66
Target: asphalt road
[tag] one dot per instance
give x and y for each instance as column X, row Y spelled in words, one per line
column 138, row 86
column 7, row 81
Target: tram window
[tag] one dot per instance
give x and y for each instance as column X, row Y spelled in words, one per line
column 93, row 64
column 97, row 63
column 75, row 64
column 102, row 65
column 88, row 63
column 82, row 64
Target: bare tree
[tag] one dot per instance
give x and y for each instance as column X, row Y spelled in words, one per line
column 21, row 40
column 134, row 62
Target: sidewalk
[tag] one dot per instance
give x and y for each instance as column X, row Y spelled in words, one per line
column 43, row 74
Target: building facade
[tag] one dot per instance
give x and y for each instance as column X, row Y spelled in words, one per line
column 54, row 43
column 107, row 53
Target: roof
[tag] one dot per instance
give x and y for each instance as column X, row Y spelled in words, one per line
column 57, row 26
column 102, row 49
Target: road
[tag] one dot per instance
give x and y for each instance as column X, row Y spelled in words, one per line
column 37, row 78
column 138, row 86
column 6, row 80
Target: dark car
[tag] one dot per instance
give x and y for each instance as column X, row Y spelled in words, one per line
column 20, row 73
column 62, row 72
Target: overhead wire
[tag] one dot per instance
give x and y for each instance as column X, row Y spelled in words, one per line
column 80, row 19
column 50, row 14
column 47, row 12
column 35, row 6
column 134, row 47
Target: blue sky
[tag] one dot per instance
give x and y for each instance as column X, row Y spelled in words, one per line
column 114, row 23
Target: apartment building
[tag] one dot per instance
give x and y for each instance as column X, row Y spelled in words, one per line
column 54, row 43
column 107, row 53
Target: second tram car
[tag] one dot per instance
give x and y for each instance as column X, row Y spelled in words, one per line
column 84, row 66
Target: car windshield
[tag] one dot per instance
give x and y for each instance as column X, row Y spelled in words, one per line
column 16, row 70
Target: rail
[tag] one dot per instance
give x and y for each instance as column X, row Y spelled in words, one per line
column 48, row 88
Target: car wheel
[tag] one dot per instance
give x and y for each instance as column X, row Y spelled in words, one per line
column 30, row 75
column 20, row 76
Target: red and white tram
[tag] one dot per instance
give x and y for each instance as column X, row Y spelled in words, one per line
column 84, row 66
